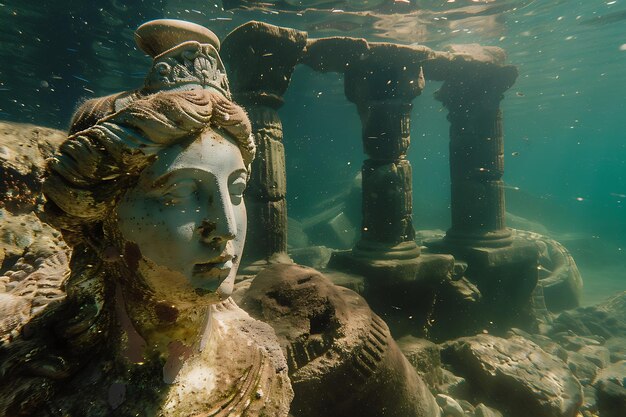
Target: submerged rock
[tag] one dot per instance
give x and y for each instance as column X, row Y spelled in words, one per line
column 583, row 368
column 482, row 410
column 598, row 355
column 449, row 406
column 333, row 340
column 515, row 375
column 425, row 357
column 600, row 322
column 610, row 387
column 23, row 152
column 617, row 348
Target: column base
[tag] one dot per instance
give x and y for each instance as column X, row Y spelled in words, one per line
column 398, row 263
column 506, row 277
column 401, row 291
column 494, row 239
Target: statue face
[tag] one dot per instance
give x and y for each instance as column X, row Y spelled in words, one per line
column 187, row 216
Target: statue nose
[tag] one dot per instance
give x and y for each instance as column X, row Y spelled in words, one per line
column 217, row 231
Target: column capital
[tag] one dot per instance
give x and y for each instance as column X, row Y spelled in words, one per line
column 261, row 57
column 397, row 77
column 472, row 92
column 374, row 71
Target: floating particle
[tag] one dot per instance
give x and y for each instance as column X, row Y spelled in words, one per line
column 80, row 78
column 514, row 153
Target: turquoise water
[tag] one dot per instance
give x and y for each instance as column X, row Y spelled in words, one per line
column 564, row 117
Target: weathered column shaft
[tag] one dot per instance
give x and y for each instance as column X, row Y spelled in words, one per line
column 383, row 91
column 261, row 58
column 387, row 180
column 476, row 169
column 476, row 164
column 267, row 186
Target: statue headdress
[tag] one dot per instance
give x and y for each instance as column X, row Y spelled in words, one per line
column 185, row 57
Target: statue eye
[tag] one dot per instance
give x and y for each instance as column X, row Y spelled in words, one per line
column 180, row 190
column 236, row 190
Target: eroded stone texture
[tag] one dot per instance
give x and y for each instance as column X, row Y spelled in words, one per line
column 425, row 357
column 261, row 58
column 482, row 410
column 610, row 387
column 559, row 276
column 515, row 375
column 23, row 151
column 477, row 155
column 332, row 339
column 605, row 320
column 33, row 256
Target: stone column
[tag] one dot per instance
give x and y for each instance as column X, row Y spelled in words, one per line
column 387, row 230
column 261, row 58
column 382, row 79
column 477, row 159
column 382, row 84
column 503, row 267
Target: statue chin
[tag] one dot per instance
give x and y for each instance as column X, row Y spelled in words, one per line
column 178, row 289
column 227, row 286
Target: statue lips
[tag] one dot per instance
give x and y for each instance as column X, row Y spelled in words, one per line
column 217, row 268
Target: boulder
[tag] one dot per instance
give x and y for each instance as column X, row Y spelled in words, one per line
column 617, row 348
column 598, row 355
column 582, row 368
column 601, row 322
column 425, row 357
column 515, row 375
column 574, row 342
column 482, row 410
column 544, row 342
column 589, row 401
column 314, row 256
column 341, row 356
column 610, row 387
column 449, row 406
column 454, row 385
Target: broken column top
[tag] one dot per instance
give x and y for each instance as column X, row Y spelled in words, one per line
column 337, row 54
column 472, row 74
column 467, row 60
column 261, row 57
column 374, row 70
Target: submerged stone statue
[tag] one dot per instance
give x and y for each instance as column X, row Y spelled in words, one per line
column 148, row 192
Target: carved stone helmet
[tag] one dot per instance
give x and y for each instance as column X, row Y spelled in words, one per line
column 185, row 56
